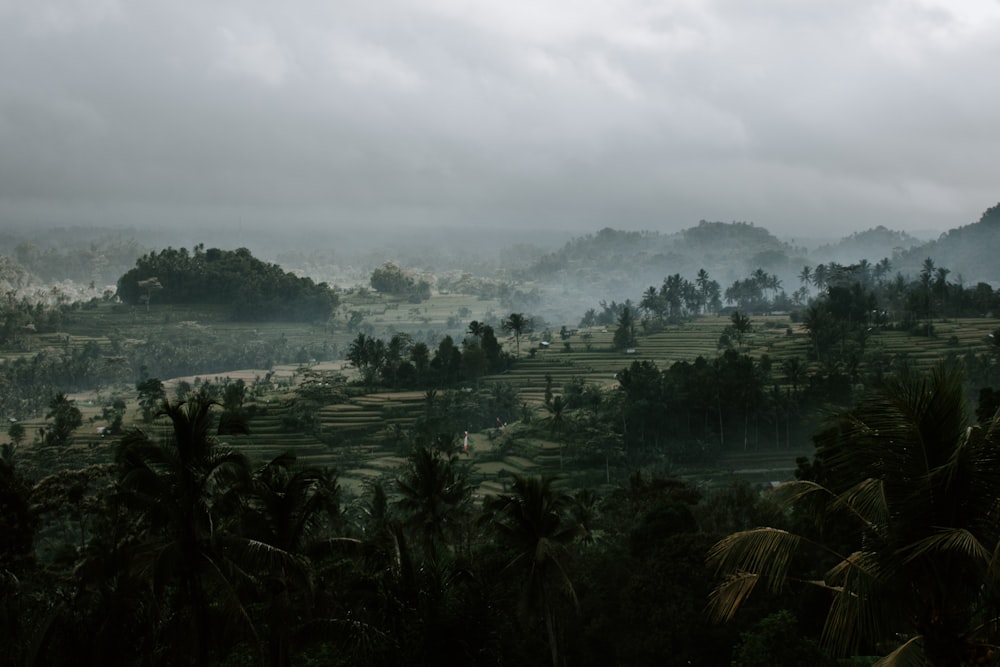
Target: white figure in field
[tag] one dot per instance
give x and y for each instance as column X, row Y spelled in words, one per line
column 465, row 444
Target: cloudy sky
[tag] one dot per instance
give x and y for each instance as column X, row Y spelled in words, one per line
column 805, row 117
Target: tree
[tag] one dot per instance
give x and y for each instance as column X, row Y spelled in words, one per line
column 533, row 521
column 368, row 355
column 66, row 418
column 624, row 337
column 16, row 433
column 447, row 361
column 739, row 328
column 151, row 394
column 557, row 422
column 435, row 495
column 517, row 324
column 254, row 290
column 919, row 489
column 183, row 490
column 18, row 521
column 288, row 508
column 474, row 362
column 148, row 286
column 777, row 640
column 806, row 276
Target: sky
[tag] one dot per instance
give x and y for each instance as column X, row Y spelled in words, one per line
column 813, row 119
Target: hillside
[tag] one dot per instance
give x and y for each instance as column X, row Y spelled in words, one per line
column 969, row 252
column 614, row 265
column 872, row 244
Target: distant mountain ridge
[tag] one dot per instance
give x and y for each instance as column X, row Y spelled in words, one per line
column 871, row 244
column 969, row 251
column 731, row 250
column 617, row 265
column 728, row 251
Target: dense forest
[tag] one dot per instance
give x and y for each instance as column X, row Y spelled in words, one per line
column 253, row 290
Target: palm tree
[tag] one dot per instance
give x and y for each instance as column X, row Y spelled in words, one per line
column 185, row 489
column 517, row 324
column 922, row 487
column 882, row 268
column 288, row 510
column 435, row 496
column 650, row 301
column 805, row 276
column 533, row 521
column 820, row 276
column 704, row 286
column 795, row 372
column 557, row 422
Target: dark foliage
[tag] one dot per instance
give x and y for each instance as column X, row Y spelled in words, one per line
column 254, row 290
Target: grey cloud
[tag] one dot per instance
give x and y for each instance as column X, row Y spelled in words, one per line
column 790, row 114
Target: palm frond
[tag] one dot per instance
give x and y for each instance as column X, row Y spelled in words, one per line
column 992, row 578
column 855, row 610
column 957, row 541
column 745, row 559
column 868, row 502
column 260, row 556
column 859, row 562
column 234, row 607
column 727, row 598
column 909, row 654
column 766, row 552
column 791, row 493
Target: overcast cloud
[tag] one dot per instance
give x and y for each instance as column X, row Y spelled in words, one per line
column 808, row 118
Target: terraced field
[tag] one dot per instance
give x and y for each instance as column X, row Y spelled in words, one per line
column 355, row 436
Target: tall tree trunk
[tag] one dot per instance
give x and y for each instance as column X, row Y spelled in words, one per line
column 722, row 439
column 550, row 628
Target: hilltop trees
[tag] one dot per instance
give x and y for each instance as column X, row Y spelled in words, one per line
column 391, row 279
column 250, row 288
column 678, row 298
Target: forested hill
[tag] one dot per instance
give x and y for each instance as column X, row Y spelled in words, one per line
column 254, row 290
column 728, row 251
column 969, row 252
column 872, row 244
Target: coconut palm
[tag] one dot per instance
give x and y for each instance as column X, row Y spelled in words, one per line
column 435, row 495
column 805, row 276
column 288, row 509
column 186, row 489
column 534, row 521
column 922, row 488
column 517, row 324
column 557, row 409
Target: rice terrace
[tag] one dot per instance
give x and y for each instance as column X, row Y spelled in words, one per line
column 354, row 435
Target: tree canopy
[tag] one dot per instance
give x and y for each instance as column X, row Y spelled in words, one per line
column 253, row 289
